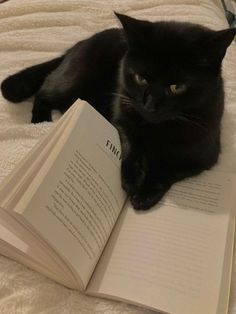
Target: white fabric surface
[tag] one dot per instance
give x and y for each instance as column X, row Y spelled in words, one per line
column 32, row 31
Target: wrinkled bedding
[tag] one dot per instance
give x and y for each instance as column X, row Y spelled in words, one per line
column 33, row 31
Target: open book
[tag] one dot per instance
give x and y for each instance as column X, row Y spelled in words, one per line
column 64, row 214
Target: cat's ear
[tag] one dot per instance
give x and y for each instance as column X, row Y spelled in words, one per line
column 136, row 30
column 216, row 45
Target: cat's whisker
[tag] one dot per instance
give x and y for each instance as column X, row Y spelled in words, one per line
column 121, row 95
column 191, row 121
column 197, row 120
column 192, row 117
column 126, row 101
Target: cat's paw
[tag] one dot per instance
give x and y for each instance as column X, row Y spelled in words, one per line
column 132, row 175
column 14, row 89
column 145, row 199
column 41, row 116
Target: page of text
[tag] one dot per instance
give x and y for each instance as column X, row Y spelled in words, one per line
column 171, row 258
column 80, row 198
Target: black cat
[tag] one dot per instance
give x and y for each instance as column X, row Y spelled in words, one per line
column 159, row 83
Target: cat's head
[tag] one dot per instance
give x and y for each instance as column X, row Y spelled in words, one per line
column 171, row 68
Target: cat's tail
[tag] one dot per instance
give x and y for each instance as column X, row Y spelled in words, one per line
column 27, row 82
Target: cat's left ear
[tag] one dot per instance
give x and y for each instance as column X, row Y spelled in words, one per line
column 136, row 30
column 215, row 47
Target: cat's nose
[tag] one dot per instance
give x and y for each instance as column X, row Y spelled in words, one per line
column 149, row 104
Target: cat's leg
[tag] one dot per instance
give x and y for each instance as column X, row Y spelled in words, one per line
column 132, row 173
column 138, row 178
column 149, row 195
column 26, row 83
column 55, row 93
column 41, row 110
column 157, row 183
column 44, row 104
column 151, row 191
column 133, row 164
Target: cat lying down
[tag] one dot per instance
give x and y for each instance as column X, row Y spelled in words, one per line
column 158, row 83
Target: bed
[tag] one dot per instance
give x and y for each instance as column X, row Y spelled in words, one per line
column 33, row 31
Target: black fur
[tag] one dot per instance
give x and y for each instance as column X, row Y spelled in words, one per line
column 26, row 83
column 128, row 76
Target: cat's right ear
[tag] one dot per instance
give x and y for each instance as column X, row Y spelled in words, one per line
column 214, row 48
column 137, row 31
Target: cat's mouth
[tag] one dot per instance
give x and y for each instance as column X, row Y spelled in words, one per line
column 152, row 116
column 155, row 116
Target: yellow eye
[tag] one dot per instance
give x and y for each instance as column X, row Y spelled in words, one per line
column 178, row 89
column 140, row 80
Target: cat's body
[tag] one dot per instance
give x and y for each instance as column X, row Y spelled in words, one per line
column 87, row 71
column 159, row 83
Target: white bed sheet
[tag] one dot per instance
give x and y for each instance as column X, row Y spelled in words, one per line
column 32, row 31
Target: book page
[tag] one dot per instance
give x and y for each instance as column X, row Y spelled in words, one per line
column 14, row 248
column 14, row 185
column 171, row 258
column 21, row 241
column 35, row 251
column 74, row 202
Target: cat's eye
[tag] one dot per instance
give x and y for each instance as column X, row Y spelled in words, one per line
column 140, row 80
column 178, row 89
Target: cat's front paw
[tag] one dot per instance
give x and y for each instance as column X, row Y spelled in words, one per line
column 41, row 110
column 41, row 116
column 145, row 199
column 14, row 89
